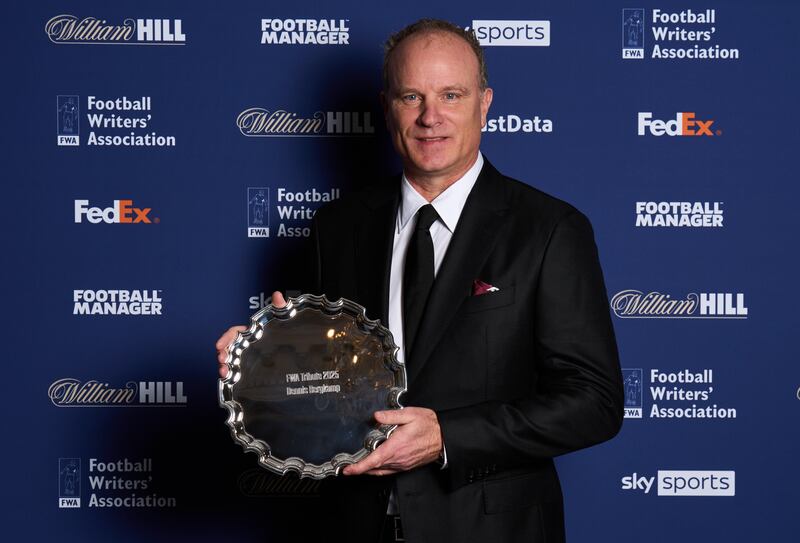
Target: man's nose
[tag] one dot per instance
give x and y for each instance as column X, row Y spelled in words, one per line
column 429, row 115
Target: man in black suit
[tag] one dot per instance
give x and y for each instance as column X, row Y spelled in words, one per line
column 494, row 293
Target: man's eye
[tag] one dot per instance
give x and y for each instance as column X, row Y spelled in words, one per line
column 450, row 96
column 410, row 98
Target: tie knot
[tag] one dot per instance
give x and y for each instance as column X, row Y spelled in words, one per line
column 426, row 216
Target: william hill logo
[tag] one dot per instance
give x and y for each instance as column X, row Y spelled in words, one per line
column 260, row 122
column 683, row 124
column 69, row 29
column 69, row 392
column 635, row 304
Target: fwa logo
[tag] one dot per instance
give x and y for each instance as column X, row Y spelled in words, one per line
column 632, row 380
column 69, row 483
column 674, row 35
column 257, row 212
column 68, row 119
column 111, row 121
column 633, row 33
column 293, row 210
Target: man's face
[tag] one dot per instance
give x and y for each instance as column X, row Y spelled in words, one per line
column 434, row 106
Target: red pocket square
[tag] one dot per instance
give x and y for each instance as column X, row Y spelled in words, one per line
column 479, row 287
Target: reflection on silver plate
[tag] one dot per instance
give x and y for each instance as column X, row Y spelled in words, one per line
column 304, row 381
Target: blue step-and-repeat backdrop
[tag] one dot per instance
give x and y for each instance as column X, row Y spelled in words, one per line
column 162, row 162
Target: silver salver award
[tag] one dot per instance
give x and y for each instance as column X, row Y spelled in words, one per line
column 304, row 381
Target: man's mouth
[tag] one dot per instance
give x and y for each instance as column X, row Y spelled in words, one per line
column 438, row 138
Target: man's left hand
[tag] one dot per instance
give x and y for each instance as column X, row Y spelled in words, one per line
column 416, row 441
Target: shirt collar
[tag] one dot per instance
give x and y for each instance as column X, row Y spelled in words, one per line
column 448, row 204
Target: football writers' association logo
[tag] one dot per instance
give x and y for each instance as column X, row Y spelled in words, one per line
column 632, row 379
column 632, row 33
column 68, row 121
column 257, row 212
column 69, row 482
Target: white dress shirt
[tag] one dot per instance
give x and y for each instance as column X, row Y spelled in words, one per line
column 448, row 205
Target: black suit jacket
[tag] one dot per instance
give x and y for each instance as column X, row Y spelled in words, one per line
column 516, row 376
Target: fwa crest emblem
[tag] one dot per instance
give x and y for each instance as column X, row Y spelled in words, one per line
column 69, row 482
column 632, row 379
column 68, row 122
column 632, row 33
column 257, row 212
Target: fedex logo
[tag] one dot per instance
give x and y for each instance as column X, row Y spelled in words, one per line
column 122, row 212
column 684, row 124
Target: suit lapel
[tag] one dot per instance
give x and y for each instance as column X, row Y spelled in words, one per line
column 474, row 238
column 374, row 242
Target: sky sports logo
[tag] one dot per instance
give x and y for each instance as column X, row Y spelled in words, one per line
column 512, row 33
column 678, row 483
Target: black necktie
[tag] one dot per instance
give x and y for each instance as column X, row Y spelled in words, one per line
column 418, row 275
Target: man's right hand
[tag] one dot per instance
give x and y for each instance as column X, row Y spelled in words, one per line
column 230, row 334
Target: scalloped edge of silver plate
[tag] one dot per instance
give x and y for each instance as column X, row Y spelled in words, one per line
column 235, row 415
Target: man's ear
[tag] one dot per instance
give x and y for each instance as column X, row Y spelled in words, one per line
column 486, row 101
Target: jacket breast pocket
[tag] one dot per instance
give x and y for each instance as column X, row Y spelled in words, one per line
column 489, row 300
